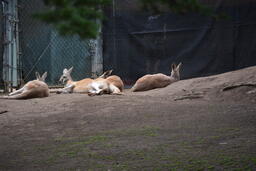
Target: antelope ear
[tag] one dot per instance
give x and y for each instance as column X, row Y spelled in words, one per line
column 70, row 69
column 178, row 67
column 37, row 75
column 173, row 66
column 106, row 74
column 44, row 76
column 65, row 70
column 109, row 72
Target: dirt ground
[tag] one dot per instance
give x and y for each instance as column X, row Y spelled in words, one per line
column 190, row 125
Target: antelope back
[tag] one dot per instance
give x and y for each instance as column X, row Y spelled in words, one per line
column 116, row 81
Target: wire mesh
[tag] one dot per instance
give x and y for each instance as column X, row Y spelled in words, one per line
column 43, row 49
column 1, row 45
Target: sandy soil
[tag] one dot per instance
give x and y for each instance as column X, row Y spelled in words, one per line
column 190, row 125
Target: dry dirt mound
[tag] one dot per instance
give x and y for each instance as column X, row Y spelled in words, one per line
column 235, row 86
column 153, row 130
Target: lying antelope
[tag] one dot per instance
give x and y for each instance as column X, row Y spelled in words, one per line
column 104, row 83
column 113, row 79
column 33, row 89
column 159, row 80
column 73, row 86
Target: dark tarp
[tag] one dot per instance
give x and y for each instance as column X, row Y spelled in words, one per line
column 136, row 43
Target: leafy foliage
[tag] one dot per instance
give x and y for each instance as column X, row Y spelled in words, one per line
column 71, row 17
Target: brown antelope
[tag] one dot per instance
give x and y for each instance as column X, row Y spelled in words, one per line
column 33, row 89
column 159, row 80
column 110, row 85
column 104, row 83
column 113, row 79
column 73, row 86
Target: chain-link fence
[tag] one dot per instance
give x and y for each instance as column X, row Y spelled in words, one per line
column 43, row 49
column 1, row 44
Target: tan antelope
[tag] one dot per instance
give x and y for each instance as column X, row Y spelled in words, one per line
column 113, row 79
column 85, row 85
column 73, row 86
column 149, row 82
column 106, row 84
column 33, row 89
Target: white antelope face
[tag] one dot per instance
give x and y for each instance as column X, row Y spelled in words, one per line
column 66, row 75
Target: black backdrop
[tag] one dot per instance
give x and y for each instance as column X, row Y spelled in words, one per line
column 136, row 43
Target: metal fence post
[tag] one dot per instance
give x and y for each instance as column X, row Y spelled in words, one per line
column 11, row 50
column 1, row 45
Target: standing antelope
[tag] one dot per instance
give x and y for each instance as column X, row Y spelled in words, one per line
column 159, row 80
column 33, row 89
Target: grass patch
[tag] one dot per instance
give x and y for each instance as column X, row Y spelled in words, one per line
column 147, row 131
column 91, row 140
column 72, row 148
column 113, row 150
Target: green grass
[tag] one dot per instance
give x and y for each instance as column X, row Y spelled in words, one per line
column 108, row 150
column 147, row 131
